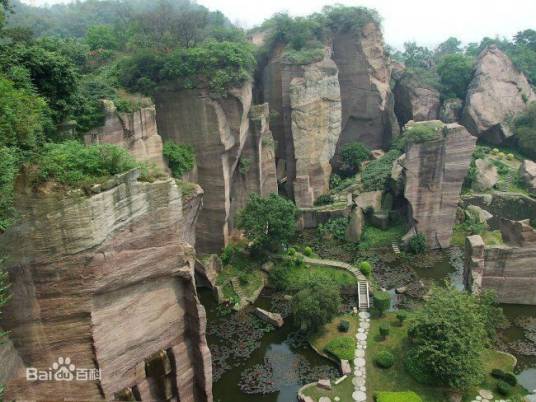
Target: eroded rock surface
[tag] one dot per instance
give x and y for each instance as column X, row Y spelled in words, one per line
column 434, row 172
column 107, row 281
column 497, row 92
column 134, row 131
column 528, row 174
column 451, row 110
column 415, row 100
column 486, row 175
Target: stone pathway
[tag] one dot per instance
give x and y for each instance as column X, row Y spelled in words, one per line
column 486, row 396
column 336, row 264
column 360, row 369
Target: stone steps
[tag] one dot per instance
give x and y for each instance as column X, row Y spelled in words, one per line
column 363, row 295
column 396, row 249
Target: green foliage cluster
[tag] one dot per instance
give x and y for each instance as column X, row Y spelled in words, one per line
column 353, row 155
column 381, row 301
column 407, row 396
column 509, row 378
column 385, row 330
column 417, row 134
column 447, row 338
column 9, row 167
column 376, row 174
column 324, row 199
column 365, row 267
column 342, row 347
column 525, row 131
column 336, row 183
column 455, row 72
column 180, row 157
column 417, row 244
column 72, row 164
column 335, row 227
column 315, row 305
column 344, row 326
column 384, row 359
column 269, row 222
column 373, row 237
column 504, row 388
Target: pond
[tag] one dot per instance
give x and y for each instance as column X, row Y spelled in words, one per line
column 291, row 366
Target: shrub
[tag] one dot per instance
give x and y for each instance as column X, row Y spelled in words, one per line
column 343, row 326
column 497, row 373
column 334, row 227
column 315, row 306
column 181, row 158
column 342, row 347
column 365, row 267
column 417, row 244
column 308, row 251
column 228, row 253
column 384, row 359
column 509, row 378
column 382, row 301
column 353, row 155
column 324, row 199
column 377, row 172
column 407, row 396
column 73, row 164
column 9, row 167
column 291, row 251
column 504, row 388
column 385, row 329
column 455, row 72
column 510, row 157
column 401, row 316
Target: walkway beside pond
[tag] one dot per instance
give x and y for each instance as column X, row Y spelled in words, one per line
column 336, row 264
column 360, row 369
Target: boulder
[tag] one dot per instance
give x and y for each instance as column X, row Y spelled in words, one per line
column 415, row 100
column 380, row 219
column 370, row 199
column 207, row 270
column 528, row 174
column 346, row 368
column 486, row 175
column 274, row 319
column 451, row 110
column 355, row 225
column 477, row 214
column 497, row 91
column 434, row 172
column 324, row 384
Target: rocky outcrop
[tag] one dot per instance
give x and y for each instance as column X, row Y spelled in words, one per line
column 486, row 175
column 513, row 206
column 274, row 319
column 433, row 173
column 528, row 174
column 107, row 282
column 218, row 127
column 364, row 78
column 134, row 131
column 315, row 104
column 507, row 269
column 451, row 110
column 207, row 269
column 415, row 100
column 497, row 92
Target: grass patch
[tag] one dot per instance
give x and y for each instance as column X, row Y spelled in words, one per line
column 330, row 331
column 373, row 237
column 246, row 271
column 342, row 347
column 492, row 238
column 458, row 235
column 293, row 278
column 343, row 390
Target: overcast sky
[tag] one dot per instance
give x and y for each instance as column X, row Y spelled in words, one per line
column 425, row 21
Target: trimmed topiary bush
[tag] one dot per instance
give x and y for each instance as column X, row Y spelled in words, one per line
column 308, row 251
column 407, row 396
column 384, row 359
column 417, row 244
column 504, row 388
column 343, row 326
column 385, row 329
column 365, row 267
column 382, row 301
column 497, row 373
column 509, row 378
column 291, row 251
column 401, row 316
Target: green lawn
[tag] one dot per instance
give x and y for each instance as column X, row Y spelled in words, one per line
column 397, row 379
column 292, row 278
column 373, row 237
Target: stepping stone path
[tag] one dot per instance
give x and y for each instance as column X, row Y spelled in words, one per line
column 485, row 396
column 360, row 370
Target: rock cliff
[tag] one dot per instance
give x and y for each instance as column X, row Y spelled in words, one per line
column 108, row 282
column 218, row 127
column 433, row 172
column 497, row 92
column 415, row 100
column 134, row 131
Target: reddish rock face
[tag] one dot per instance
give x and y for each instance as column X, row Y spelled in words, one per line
column 414, row 100
column 108, row 282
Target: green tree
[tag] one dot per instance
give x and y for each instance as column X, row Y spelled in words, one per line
column 455, row 72
column 417, row 244
column 417, row 56
column 525, row 131
column 102, row 37
column 353, row 155
column 451, row 46
column 269, row 222
column 447, row 338
column 381, row 301
column 315, row 306
column 9, row 167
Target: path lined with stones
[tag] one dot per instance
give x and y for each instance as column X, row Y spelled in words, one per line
column 360, row 369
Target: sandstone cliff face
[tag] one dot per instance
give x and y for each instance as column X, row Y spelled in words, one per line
column 497, row 92
column 135, row 132
column 414, row 100
column 364, row 76
column 225, row 144
column 433, row 172
column 107, row 281
column 316, row 125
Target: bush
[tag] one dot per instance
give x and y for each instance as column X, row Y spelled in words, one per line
column 73, row 164
column 308, row 251
column 365, row 267
column 417, row 244
column 497, row 373
column 407, row 396
column 316, row 305
column 509, row 378
column 382, row 301
column 9, row 167
column 228, row 253
column 342, row 347
column 377, row 172
column 385, row 329
column 418, row 134
column 384, row 359
column 324, row 199
column 353, row 155
column 181, row 158
column 343, row 326
column 291, row 251
column 401, row 316
column 335, row 228
column 504, row 388
column 455, row 72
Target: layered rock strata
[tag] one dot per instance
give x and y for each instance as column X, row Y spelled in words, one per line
column 497, row 92
column 108, row 282
column 433, row 173
column 134, row 131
